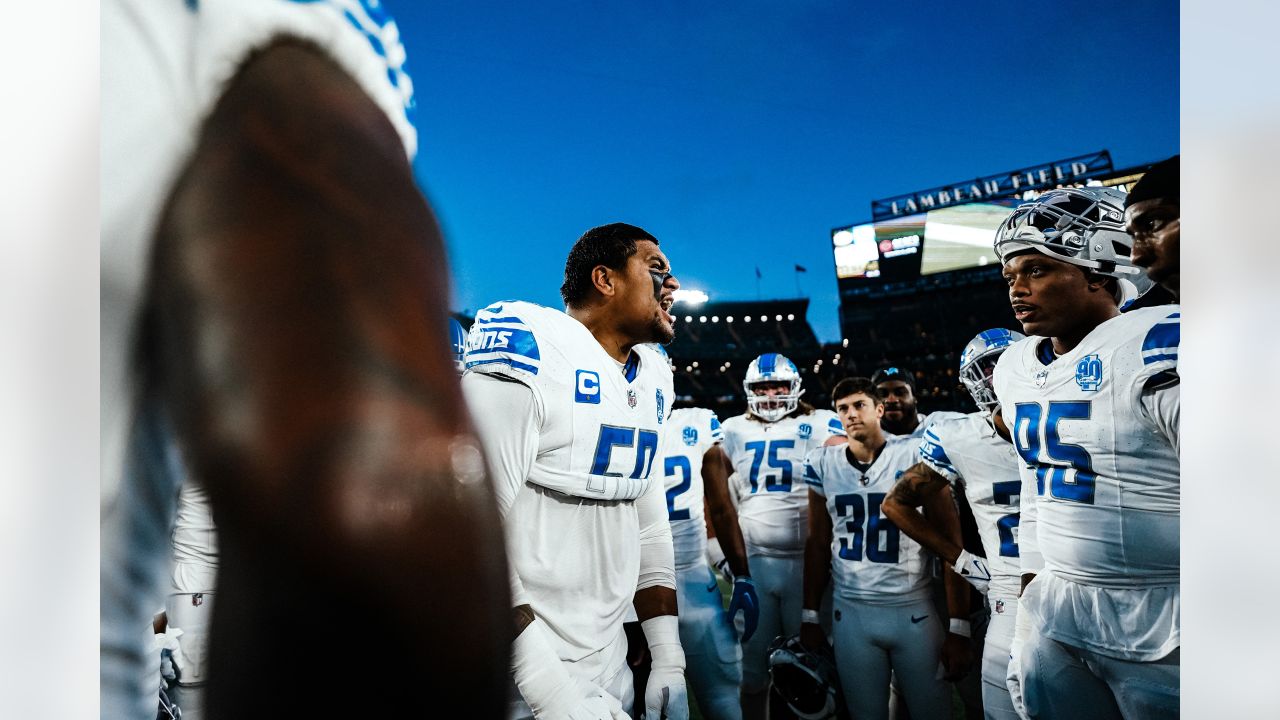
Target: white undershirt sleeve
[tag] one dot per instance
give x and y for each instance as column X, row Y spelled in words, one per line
column 1162, row 407
column 657, row 554
column 507, row 419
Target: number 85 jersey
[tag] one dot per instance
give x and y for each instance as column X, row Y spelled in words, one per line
column 1100, row 454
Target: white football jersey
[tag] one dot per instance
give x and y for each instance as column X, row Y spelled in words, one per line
column 1106, row 478
column 871, row 559
column 926, row 420
column 690, row 433
column 195, row 542
column 573, row 527
column 966, row 449
column 768, row 459
column 164, row 65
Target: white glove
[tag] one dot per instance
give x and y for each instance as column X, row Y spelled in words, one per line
column 974, row 569
column 665, row 695
column 547, row 686
column 1013, row 676
column 715, row 556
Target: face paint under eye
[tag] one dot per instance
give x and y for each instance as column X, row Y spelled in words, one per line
column 659, row 279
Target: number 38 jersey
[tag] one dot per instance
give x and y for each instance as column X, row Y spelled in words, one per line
column 871, row 559
column 966, row 449
column 689, row 434
column 1103, row 465
column 768, row 459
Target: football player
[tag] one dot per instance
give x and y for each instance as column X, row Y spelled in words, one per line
column 696, row 471
column 575, row 404
column 767, row 446
column 1152, row 215
column 897, row 389
column 1092, row 403
column 883, row 617
column 272, row 287
column 975, row 454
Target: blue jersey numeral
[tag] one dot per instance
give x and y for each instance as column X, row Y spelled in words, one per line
column 769, row 451
column 672, row 465
column 1003, row 495
column 881, row 533
column 1068, row 467
column 612, row 436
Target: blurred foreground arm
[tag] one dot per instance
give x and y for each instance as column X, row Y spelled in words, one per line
column 297, row 329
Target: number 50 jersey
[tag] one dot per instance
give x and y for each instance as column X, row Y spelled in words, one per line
column 768, row 462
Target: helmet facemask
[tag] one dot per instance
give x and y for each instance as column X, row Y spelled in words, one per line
column 772, row 368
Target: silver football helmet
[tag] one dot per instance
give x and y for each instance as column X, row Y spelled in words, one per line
column 978, row 361
column 772, row 367
column 458, row 344
column 805, row 680
column 1082, row 226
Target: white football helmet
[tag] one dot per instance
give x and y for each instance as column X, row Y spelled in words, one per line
column 772, row 367
column 978, row 361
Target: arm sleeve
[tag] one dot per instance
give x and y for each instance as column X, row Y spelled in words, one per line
column 657, row 554
column 507, row 418
column 507, row 423
column 1162, row 406
column 1029, row 556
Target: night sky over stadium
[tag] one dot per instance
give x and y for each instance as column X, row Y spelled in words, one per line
column 741, row 133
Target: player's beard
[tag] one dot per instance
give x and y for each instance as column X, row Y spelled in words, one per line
column 660, row 333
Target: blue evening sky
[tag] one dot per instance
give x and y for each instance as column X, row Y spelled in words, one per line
column 740, row 133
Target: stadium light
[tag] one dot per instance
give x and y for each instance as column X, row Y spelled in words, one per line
column 778, row 318
column 715, row 318
column 702, row 318
column 746, row 318
column 764, row 318
column 790, row 316
column 846, row 342
column 690, row 297
column 695, row 363
column 729, row 319
column 688, row 318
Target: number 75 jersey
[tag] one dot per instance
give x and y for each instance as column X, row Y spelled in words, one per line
column 768, row 461
column 1106, row 477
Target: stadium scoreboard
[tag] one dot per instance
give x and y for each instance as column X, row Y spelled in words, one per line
column 953, row 227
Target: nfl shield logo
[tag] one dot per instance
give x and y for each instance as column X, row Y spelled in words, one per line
column 631, row 398
column 197, row 599
column 1089, row 373
column 999, row 607
column 1041, row 377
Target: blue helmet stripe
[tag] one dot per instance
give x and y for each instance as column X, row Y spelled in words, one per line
column 768, row 362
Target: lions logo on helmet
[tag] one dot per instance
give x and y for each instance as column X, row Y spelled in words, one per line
column 772, row 368
column 806, row 681
column 1081, row 226
column 458, row 341
column 978, row 362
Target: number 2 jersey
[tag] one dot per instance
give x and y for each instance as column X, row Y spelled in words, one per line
column 572, row 456
column 1097, row 432
column 768, row 462
column 871, row 559
column 965, row 449
column 690, row 433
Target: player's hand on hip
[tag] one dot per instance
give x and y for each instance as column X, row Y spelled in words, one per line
column 974, row 569
column 746, row 601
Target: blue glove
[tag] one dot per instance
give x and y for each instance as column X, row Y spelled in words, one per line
column 744, row 599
